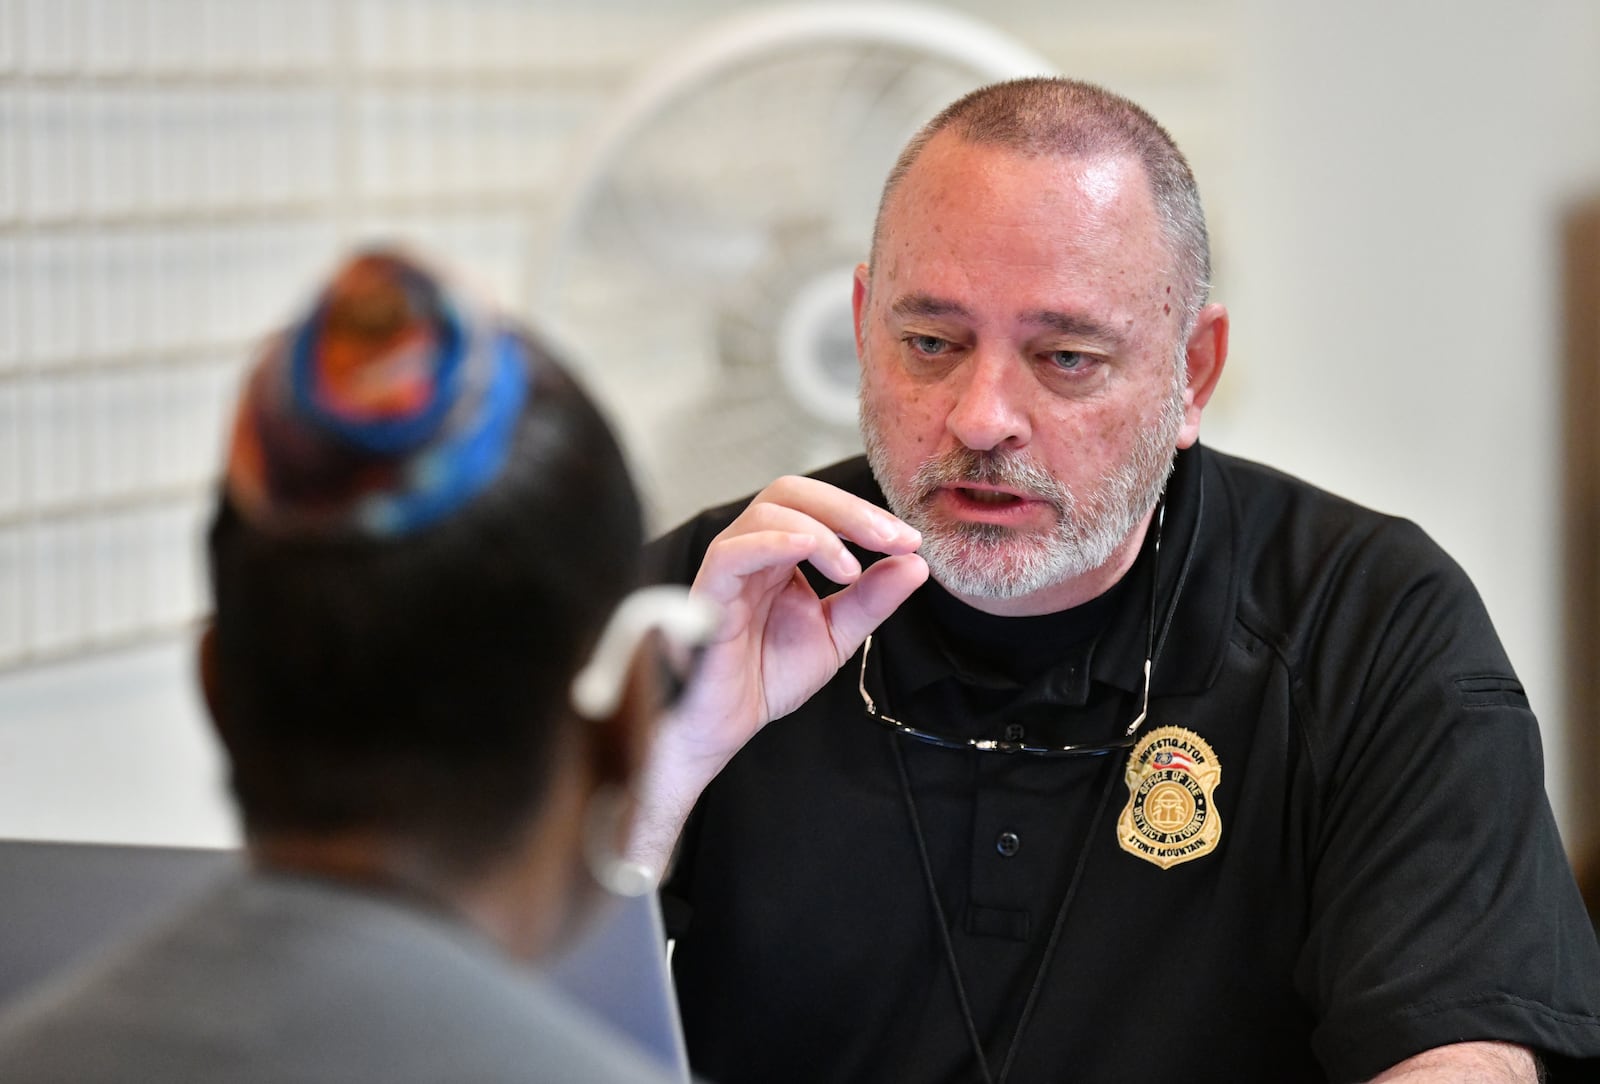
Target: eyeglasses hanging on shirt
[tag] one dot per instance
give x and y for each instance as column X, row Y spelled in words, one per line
column 1009, row 745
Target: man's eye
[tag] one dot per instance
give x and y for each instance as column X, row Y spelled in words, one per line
column 1069, row 361
column 930, row 345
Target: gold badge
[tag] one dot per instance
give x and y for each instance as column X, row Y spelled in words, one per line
column 1170, row 816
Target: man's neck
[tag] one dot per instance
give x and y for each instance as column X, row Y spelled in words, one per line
column 512, row 902
column 357, row 858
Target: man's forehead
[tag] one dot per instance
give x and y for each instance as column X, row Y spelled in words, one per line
column 960, row 196
column 956, row 183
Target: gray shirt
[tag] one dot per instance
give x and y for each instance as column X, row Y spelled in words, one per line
column 271, row 977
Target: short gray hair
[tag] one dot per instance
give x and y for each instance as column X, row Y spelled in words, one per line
column 1047, row 115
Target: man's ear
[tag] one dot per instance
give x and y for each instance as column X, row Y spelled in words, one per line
column 1205, row 355
column 858, row 305
column 211, row 679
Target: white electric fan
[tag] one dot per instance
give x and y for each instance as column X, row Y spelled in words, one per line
column 699, row 266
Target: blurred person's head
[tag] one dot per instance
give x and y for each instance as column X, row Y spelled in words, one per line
column 424, row 527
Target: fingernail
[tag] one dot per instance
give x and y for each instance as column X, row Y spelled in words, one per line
column 892, row 530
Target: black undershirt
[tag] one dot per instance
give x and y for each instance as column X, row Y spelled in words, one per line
column 1016, row 649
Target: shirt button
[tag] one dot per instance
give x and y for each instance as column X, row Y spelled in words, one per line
column 1015, row 732
column 1008, row 844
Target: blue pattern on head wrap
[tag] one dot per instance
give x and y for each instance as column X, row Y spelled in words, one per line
column 445, row 476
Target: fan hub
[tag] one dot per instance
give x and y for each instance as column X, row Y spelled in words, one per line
column 816, row 347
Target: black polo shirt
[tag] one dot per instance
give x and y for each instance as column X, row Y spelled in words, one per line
column 1332, row 849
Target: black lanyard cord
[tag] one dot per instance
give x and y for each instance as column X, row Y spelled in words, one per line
column 943, row 925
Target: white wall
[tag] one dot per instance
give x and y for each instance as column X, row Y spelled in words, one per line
column 112, row 747
column 1393, row 284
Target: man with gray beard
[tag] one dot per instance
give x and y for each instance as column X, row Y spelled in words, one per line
column 1044, row 743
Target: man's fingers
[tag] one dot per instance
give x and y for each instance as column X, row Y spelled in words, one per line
column 841, row 513
column 732, row 560
column 799, row 519
column 863, row 606
column 829, row 555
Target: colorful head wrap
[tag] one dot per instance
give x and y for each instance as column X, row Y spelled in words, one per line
column 388, row 407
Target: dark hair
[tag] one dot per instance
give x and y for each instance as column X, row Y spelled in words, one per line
column 417, row 685
column 1047, row 115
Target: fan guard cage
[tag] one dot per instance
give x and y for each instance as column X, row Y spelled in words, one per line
column 699, row 266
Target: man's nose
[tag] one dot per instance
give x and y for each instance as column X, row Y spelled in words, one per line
column 991, row 402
